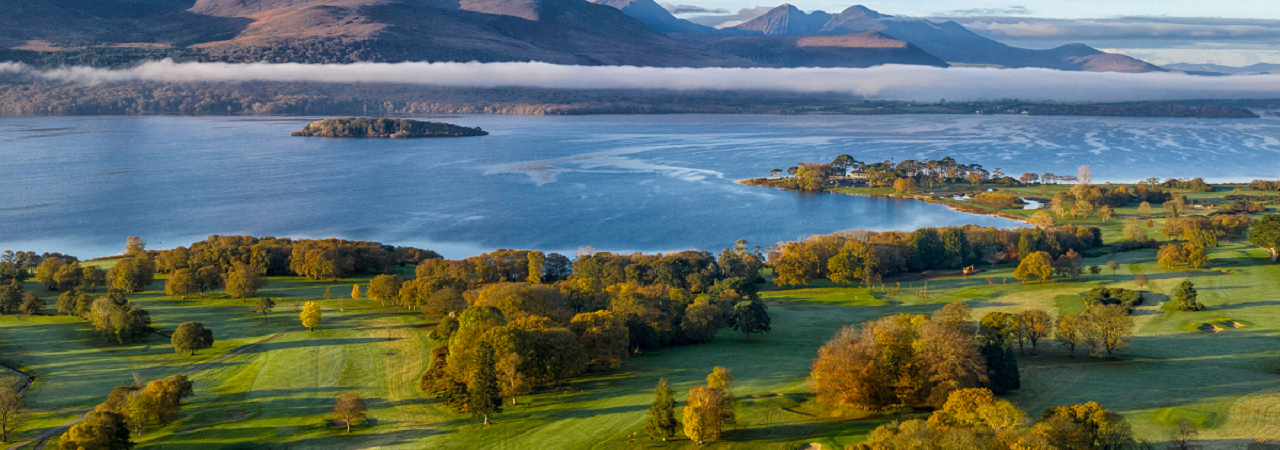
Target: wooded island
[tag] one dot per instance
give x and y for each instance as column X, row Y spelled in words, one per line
column 360, row 127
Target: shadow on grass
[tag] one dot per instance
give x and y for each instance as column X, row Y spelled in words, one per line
column 1245, row 305
column 315, row 343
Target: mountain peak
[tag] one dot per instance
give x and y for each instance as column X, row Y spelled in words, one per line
column 862, row 11
column 786, row 20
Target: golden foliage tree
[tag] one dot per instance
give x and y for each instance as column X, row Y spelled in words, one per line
column 1037, row 266
column 311, row 315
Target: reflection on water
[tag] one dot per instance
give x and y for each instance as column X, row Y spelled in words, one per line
column 650, row 183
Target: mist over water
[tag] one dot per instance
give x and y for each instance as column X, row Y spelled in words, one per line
column 623, row 183
column 890, row 82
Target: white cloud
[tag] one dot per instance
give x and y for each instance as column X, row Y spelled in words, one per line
column 897, row 82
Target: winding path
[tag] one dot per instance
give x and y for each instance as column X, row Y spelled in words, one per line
column 43, row 437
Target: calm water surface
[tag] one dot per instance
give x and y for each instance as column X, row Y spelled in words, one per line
column 647, row 183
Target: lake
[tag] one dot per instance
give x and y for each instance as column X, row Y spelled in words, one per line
column 81, row 185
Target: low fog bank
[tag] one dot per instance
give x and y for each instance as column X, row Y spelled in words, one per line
column 890, row 82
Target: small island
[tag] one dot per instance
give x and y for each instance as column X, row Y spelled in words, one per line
column 360, row 127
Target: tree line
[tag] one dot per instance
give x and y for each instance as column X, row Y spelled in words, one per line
column 865, row 256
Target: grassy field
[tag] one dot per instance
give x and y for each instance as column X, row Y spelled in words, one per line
column 277, row 395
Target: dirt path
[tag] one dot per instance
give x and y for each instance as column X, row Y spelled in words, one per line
column 43, row 437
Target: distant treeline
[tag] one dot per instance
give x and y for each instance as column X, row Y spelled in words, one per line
column 24, row 97
column 1145, row 110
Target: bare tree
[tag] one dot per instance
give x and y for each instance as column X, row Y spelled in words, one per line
column 350, row 408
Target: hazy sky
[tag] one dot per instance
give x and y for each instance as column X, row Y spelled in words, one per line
column 1229, row 32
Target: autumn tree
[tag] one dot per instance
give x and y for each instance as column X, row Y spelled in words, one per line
column 537, row 266
column 512, row 380
column 1069, row 332
column 311, row 315
column 11, row 414
column 661, row 422
column 244, row 281
column 1113, row 266
column 99, row 430
column 750, row 317
column 1171, row 256
column 191, row 336
column 1087, row 426
column 721, row 380
column 1144, row 210
column 701, row 321
column 1038, row 266
column 263, row 306
column 385, row 287
column 350, row 409
column 483, row 393
column 132, row 273
column 180, row 283
column 1034, row 325
column 355, row 292
column 93, row 277
column 1106, row 328
column 1195, row 255
column 1141, row 280
column 603, row 336
column 702, row 415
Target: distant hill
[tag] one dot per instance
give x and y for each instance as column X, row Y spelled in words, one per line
column 1227, row 70
column 866, row 49
column 557, row 31
column 655, row 16
column 949, row 40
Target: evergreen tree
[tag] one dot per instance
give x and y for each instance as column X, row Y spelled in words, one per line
column 955, row 247
column 662, row 421
column 1002, row 368
column 483, row 395
column 1185, row 297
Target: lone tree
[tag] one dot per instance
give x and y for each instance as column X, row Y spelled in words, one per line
column 191, row 336
column 1037, row 266
column 99, row 430
column 483, row 396
column 662, row 421
column 1266, row 234
column 1113, row 266
column 311, row 315
column 263, row 306
column 1185, row 297
column 11, row 416
column 750, row 317
column 1141, row 280
column 31, row 303
column 350, row 408
column 355, row 292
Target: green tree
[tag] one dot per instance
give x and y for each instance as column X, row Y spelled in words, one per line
column 662, row 421
column 263, row 306
column 31, row 303
column 310, row 315
column 45, row 273
column 103, row 430
column 244, row 281
column 1266, row 234
column 1035, row 267
column 10, row 297
column 11, row 414
column 94, row 276
column 1002, row 368
column 191, row 336
column 350, row 409
column 750, row 317
column 483, row 396
column 181, row 282
column 1185, row 297
column 69, row 275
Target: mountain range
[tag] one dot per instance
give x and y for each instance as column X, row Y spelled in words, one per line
column 607, row 32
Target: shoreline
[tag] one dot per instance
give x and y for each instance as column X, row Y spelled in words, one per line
column 954, row 206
